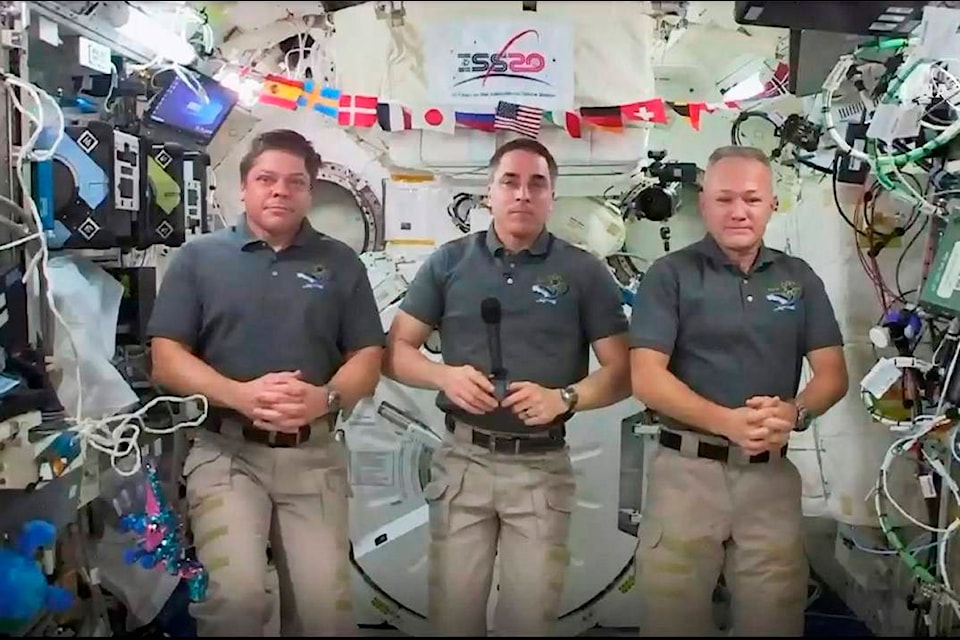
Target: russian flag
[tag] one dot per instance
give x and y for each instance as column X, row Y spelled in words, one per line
column 481, row 121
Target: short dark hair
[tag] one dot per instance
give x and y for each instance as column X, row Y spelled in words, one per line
column 524, row 144
column 743, row 153
column 281, row 140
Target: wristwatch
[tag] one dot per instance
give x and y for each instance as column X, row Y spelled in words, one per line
column 570, row 398
column 333, row 401
column 804, row 418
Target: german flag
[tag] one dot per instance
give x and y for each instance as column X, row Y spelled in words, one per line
column 606, row 118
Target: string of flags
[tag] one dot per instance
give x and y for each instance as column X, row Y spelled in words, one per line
column 364, row 111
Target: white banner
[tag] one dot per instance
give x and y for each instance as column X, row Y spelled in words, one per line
column 477, row 64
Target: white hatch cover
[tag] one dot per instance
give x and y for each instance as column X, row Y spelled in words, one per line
column 389, row 517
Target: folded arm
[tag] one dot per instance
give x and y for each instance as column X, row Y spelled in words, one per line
column 404, row 361
column 176, row 368
column 610, row 383
column 605, row 326
column 357, row 378
column 658, row 389
column 829, row 383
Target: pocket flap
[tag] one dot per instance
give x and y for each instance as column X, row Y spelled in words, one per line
column 338, row 481
column 649, row 533
column 562, row 497
column 435, row 490
column 198, row 456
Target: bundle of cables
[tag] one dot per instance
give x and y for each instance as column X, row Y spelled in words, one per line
column 928, row 433
column 939, row 85
column 116, row 436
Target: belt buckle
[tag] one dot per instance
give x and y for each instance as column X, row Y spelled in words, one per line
column 492, row 440
column 299, row 437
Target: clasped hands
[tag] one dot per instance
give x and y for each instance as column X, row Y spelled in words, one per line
column 281, row 401
column 764, row 424
column 473, row 392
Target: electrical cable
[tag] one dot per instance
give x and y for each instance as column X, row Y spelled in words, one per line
column 116, row 436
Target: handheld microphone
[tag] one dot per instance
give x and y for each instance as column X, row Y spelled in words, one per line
column 490, row 312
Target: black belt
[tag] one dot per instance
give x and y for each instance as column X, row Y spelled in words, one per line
column 551, row 440
column 214, row 423
column 712, row 451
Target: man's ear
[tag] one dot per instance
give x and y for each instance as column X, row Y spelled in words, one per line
column 776, row 203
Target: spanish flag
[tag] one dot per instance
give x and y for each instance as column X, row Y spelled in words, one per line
column 281, row 92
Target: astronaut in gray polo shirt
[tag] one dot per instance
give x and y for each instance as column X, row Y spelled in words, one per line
column 719, row 332
column 503, row 475
column 276, row 324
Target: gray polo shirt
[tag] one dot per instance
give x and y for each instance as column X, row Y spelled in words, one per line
column 247, row 311
column 556, row 300
column 731, row 335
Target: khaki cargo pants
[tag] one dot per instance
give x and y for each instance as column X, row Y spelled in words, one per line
column 478, row 500
column 702, row 518
column 243, row 495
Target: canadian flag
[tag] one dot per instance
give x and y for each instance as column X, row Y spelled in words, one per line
column 357, row 111
column 434, row 119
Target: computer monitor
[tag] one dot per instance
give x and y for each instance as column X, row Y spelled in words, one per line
column 180, row 108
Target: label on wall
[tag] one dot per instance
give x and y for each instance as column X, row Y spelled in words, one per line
column 477, row 64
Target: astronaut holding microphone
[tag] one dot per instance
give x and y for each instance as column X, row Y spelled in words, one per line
column 518, row 311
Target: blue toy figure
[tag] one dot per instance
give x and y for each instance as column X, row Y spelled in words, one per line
column 24, row 591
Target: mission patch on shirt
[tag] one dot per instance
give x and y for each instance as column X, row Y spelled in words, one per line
column 730, row 335
column 556, row 300
column 247, row 311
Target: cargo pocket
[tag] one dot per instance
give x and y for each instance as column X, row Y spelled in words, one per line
column 440, row 492
column 554, row 504
column 338, row 482
column 335, row 503
column 649, row 533
column 649, row 536
column 207, row 472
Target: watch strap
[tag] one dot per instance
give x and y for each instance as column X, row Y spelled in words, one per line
column 333, row 400
column 804, row 418
column 570, row 397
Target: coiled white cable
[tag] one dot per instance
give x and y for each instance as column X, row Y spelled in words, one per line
column 116, row 436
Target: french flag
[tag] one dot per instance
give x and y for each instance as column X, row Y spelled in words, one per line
column 392, row 116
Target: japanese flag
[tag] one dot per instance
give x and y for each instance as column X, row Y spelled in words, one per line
column 434, row 119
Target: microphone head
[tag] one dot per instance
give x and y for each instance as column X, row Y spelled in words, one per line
column 490, row 310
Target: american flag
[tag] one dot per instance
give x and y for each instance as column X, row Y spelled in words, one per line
column 518, row 118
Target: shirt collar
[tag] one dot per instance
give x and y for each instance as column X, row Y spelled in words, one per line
column 246, row 239
column 709, row 247
column 540, row 246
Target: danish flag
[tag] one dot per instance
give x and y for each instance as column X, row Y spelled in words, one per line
column 357, row 111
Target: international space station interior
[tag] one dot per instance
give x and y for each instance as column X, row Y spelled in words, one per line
column 514, row 317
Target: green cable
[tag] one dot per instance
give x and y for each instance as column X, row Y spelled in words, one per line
column 916, row 568
column 881, row 44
